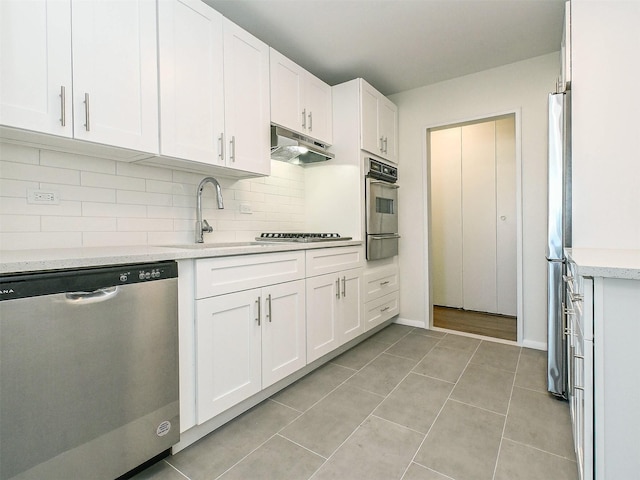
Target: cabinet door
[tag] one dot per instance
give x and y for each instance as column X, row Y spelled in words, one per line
column 388, row 125
column 35, row 55
column 322, row 317
column 350, row 314
column 287, row 80
column 228, row 351
column 191, row 81
column 369, row 98
column 284, row 348
column 319, row 110
column 246, row 84
column 115, row 86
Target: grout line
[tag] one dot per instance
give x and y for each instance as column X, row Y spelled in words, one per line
column 541, row 450
column 300, row 445
column 506, row 417
column 176, row 469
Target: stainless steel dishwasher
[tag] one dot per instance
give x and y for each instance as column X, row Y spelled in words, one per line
column 88, row 371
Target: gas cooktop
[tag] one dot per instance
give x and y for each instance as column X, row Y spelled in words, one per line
column 300, row 237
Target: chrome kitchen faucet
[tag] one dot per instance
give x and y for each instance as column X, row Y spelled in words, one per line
column 203, row 226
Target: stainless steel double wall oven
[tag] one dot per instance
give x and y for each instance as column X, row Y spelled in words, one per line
column 381, row 199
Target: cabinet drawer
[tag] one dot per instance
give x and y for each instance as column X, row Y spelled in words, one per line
column 330, row 260
column 381, row 309
column 380, row 282
column 217, row 276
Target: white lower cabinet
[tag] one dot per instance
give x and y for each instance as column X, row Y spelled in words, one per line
column 604, row 385
column 228, row 352
column 248, row 339
column 381, row 295
column 334, row 311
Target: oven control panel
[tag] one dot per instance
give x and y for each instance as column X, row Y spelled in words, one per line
column 382, row 171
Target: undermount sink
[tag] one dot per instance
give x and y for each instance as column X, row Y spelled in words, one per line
column 201, row 246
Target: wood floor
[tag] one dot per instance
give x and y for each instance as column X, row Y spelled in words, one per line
column 490, row 325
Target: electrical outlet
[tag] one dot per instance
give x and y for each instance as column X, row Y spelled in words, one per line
column 245, row 208
column 43, row 197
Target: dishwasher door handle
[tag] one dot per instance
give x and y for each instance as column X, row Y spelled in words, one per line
column 99, row 295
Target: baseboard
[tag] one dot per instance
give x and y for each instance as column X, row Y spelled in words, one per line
column 534, row 345
column 411, row 323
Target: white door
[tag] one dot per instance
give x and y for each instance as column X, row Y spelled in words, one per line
column 287, row 85
column 350, row 313
column 284, row 345
column 479, row 217
column 115, row 85
column 35, row 55
column 446, row 217
column 247, row 100
column 191, row 81
column 388, row 121
column 319, row 106
column 228, row 351
column 322, row 316
column 369, row 100
column 506, row 253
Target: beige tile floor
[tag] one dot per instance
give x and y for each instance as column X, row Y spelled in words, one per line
column 405, row 404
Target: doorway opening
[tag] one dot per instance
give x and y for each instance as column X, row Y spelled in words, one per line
column 474, row 226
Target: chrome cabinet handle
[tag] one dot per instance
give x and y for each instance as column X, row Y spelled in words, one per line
column 232, row 143
column 310, row 121
column 258, row 301
column 221, row 147
column 86, row 112
column 269, row 307
column 63, row 108
column 338, row 288
column 385, row 144
column 344, row 286
column 381, row 144
column 304, row 119
column 384, row 237
column 384, row 309
column 382, row 284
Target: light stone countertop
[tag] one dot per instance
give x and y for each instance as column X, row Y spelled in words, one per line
column 18, row 261
column 597, row 262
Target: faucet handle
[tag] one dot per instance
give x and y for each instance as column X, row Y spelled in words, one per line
column 206, row 228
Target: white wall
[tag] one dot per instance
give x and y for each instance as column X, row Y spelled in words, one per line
column 520, row 86
column 105, row 202
column 606, row 123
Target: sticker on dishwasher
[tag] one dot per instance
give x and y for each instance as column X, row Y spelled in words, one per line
column 163, row 428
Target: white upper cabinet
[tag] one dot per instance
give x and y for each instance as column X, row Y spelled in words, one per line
column 246, row 92
column 300, row 101
column 86, row 70
column 191, row 81
column 379, row 123
column 35, row 59
column 214, row 92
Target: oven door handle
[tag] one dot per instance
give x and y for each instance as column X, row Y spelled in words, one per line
column 384, row 237
column 385, row 184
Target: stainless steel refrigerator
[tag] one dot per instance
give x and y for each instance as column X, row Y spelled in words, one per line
column 558, row 237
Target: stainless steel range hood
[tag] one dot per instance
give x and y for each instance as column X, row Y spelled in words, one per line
column 292, row 147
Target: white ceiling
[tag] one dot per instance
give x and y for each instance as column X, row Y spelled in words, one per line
column 397, row 45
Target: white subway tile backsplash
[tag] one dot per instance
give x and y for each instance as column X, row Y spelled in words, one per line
column 105, row 202
column 77, row 162
column 31, row 240
column 19, row 153
column 145, row 224
column 16, row 188
column 143, row 198
column 114, row 210
column 37, row 173
column 101, row 239
column 19, row 223
column 19, row 206
column 78, row 224
column 126, row 169
column 92, row 179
